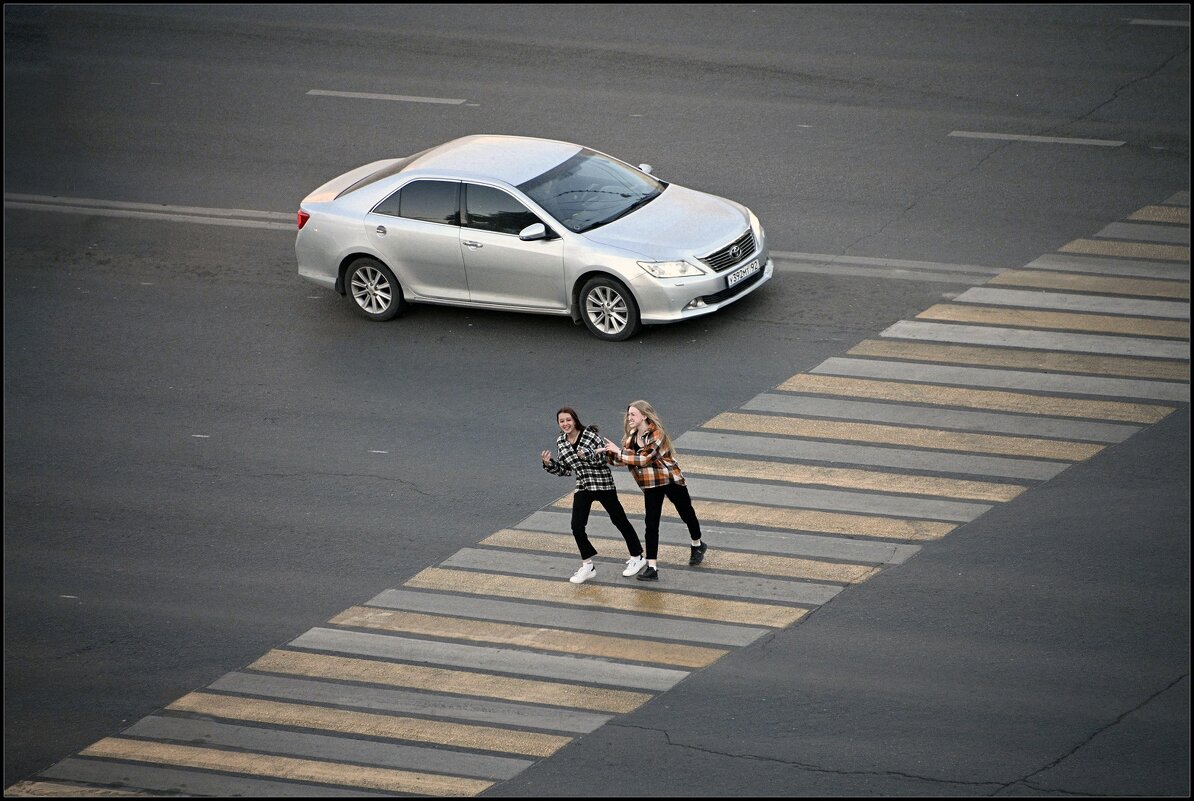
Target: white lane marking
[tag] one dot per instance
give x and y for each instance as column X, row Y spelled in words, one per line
column 1168, row 23
column 1103, row 304
column 1103, row 265
column 400, row 98
column 1056, row 140
column 829, row 258
column 878, row 272
column 1038, row 340
column 1179, row 199
column 106, row 208
column 159, row 207
column 1146, row 232
column 201, row 436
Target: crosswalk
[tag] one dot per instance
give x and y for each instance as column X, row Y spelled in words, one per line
column 480, row 665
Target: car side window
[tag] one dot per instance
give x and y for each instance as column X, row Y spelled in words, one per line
column 490, row 209
column 431, row 201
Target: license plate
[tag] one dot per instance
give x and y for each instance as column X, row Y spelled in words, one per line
column 742, row 272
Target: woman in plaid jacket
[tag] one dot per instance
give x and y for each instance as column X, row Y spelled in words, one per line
column 647, row 450
column 579, row 450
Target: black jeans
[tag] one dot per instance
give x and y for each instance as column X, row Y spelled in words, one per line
column 582, row 502
column 653, row 507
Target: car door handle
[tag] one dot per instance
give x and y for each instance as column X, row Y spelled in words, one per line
column 471, row 245
column 381, row 230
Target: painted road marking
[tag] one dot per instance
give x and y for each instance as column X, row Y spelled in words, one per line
column 179, row 782
column 452, row 101
column 1062, row 262
column 853, row 478
column 1010, row 337
column 868, row 261
column 619, row 598
column 1068, row 321
column 463, row 735
column 718, row 559
column 1051, row 361
column 878, row 434
column 714, row 584
column 871, row 455
column 852, row 525
column 504, row 660
column 1162, row 214
column 787, row 542
column 545, row 639
column 1134, row 250
column 399, row 781
column 866, row 267
column 579, row 619
column 805, row 498
column 440, row 679
column 423, row 704
column 981, row 399
column 1054, row 140
column 1008, row 379
column 1146, row 232
column 28, row 789
column 118, row 205
column 324, row 747
column 1079, row 303
column 1086, row 283
column 236, row 218
column 977, row 422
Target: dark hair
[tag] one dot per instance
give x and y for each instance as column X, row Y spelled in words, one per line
column 575, row 418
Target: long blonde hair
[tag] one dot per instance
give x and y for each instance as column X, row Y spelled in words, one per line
column 648, row 411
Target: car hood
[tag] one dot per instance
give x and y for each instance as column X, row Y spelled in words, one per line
column 680, row 222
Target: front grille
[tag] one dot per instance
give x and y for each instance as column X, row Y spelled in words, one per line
column 732, row 253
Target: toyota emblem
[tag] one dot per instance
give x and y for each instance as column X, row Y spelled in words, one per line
column 735, row 252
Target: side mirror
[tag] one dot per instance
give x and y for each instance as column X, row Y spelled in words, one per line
column 646, row 168
column 533, row 232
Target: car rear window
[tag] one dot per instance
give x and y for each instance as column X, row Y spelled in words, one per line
column 395, row 168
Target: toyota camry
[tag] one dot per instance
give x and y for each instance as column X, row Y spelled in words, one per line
column 529, row 225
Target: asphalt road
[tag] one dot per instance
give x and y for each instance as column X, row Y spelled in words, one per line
column 204, row 457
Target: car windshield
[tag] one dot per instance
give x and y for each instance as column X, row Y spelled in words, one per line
column 590, row 190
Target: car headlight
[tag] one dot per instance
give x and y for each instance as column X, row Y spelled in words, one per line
column 670, row 269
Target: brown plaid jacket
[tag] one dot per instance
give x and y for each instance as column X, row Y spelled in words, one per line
column 651, row 465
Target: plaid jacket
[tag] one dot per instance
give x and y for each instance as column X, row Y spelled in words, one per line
column 585, row 459
column 650, row 465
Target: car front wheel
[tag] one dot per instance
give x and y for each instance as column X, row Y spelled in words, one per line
column 374, row 290
column 608, row 309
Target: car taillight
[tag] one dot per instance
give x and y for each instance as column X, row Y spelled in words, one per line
column 302, row 218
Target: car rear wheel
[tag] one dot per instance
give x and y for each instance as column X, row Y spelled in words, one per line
column 374, row 290
column 608, row 309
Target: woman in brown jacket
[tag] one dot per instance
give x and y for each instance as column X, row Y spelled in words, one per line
column 647, row 450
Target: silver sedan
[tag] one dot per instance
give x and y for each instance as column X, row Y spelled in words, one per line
column 529, row 225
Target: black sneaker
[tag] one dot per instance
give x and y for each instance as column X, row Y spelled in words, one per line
column 698, row 554
column 649, row 574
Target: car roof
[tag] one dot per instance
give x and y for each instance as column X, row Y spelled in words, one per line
column 512, row 159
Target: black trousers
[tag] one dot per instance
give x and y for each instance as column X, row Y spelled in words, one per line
column 653, row 509
column 582, row 503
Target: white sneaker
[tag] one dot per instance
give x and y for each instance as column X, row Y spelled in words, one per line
column 634, row 564
column 586, row 572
